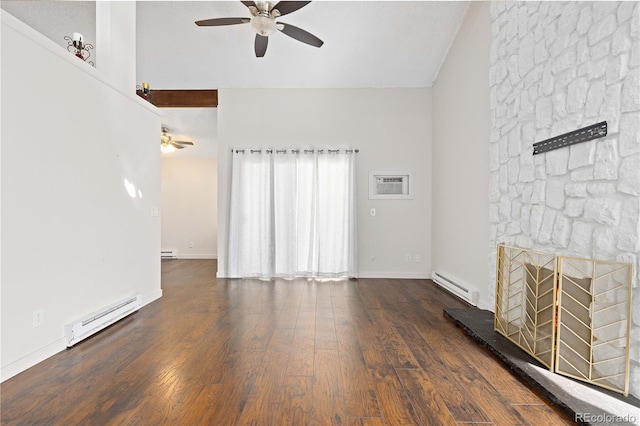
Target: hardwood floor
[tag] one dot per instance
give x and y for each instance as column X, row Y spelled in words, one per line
column 227, row 352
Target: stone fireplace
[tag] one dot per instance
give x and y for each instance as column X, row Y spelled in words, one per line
column 557, row 67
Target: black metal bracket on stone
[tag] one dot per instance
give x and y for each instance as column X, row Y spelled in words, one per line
column 594, row 131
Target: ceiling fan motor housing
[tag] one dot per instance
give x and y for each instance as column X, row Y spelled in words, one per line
column 263, row 24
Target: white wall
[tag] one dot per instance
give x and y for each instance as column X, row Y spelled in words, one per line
column 461, row 132
column 392, row 129
column 190, row 207
column 73, row 239
column 115, row 40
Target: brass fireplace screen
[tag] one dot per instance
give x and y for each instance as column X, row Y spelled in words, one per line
column 573, row 315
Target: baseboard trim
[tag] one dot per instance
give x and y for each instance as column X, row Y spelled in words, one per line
column 370, row 274
column 151, row 297
column 197, row 256
column 21, row 364
column 395, row 275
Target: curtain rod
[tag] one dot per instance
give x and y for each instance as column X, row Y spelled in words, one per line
column 296, row 151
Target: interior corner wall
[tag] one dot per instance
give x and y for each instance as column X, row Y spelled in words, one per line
column 189, row 207
column 80, row 176
column 461, row 133
column 390, row 127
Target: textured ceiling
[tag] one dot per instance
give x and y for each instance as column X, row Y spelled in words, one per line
column 197, row 125
column 366, row 44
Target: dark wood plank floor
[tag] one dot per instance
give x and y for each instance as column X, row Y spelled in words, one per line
column 227, row 352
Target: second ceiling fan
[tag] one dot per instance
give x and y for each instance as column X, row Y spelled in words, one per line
column 263, row 21
column 168, row 144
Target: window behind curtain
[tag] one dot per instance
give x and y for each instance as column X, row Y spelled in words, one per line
column 293, row 214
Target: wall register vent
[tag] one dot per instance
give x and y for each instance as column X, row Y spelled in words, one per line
column 168, row 254
column 466, row 294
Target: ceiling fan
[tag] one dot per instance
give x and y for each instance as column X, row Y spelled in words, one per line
column 263, row 21
column 167, row 144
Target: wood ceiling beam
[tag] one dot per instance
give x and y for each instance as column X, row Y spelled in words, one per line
column 182, row 98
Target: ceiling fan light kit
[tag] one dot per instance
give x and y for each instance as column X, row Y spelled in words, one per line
column 166, row 148
column 263, row 22
column 167, row 144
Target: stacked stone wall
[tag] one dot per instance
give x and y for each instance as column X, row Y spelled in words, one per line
column 557, row 67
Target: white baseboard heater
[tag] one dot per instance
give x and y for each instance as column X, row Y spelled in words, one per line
column 168, row 254
column 457, row 289
column 91, row 324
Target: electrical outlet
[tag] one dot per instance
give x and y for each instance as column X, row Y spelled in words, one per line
column 38, row 318
column 407, row 258
column 190, row 244
column 418, row 258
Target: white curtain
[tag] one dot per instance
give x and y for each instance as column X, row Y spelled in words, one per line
column 293, row 214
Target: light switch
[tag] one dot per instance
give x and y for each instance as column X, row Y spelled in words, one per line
column 373, row 212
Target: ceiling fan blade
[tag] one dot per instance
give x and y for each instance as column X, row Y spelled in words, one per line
column 249, row 3
column 286, row 7
column 261, row 45
column 183, row 142
column 175, row 145
column 216, row 22
column 300, row 35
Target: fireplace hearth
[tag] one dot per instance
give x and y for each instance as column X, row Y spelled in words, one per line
column 581, row 402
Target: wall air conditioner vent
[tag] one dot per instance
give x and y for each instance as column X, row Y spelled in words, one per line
column 390, row 186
